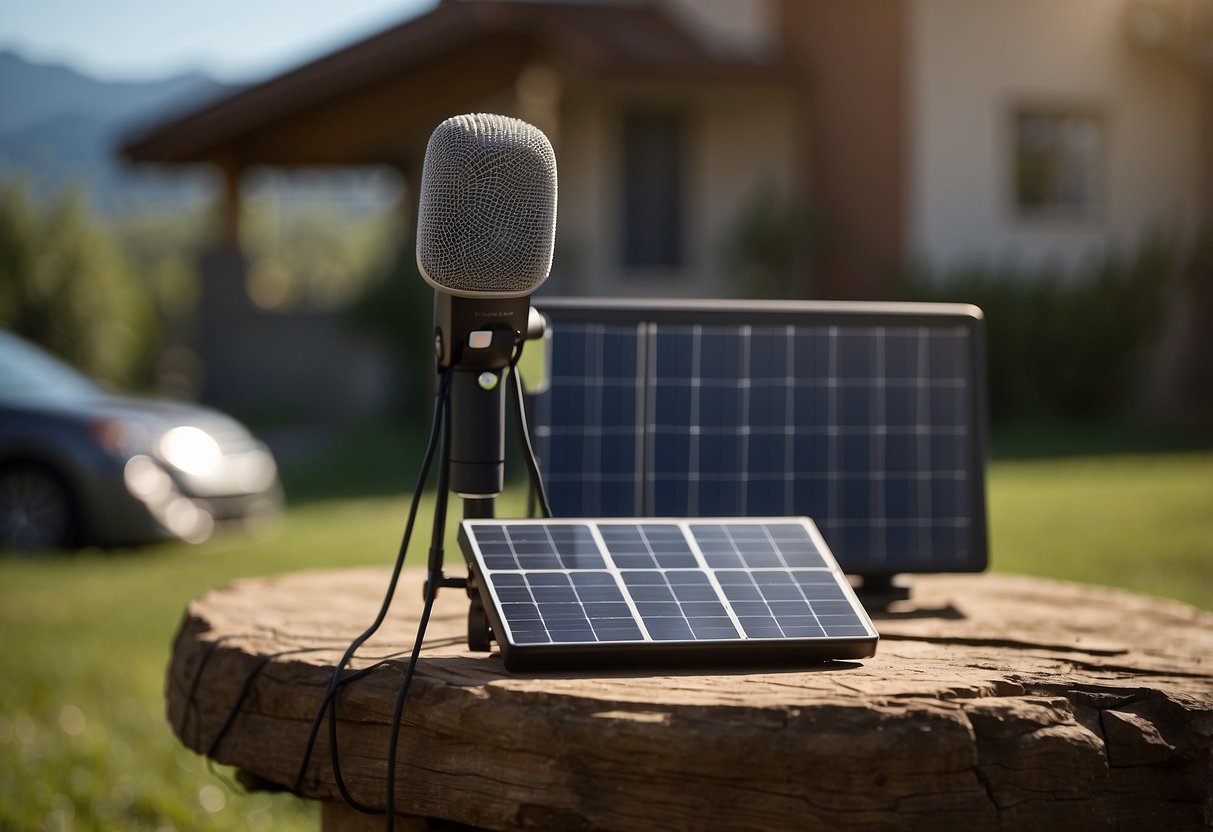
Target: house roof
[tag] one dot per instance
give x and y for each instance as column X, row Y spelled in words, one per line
column 365, row 103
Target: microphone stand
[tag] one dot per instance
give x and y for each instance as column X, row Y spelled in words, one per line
column 476, row 341
column 480, row 635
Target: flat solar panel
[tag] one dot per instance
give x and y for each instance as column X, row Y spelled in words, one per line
column 569, row 593
column 867, row 417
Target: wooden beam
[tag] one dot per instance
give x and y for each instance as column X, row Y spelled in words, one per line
column 228, row 206
column 382, row 122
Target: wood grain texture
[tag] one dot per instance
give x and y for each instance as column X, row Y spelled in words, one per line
column 994, row 702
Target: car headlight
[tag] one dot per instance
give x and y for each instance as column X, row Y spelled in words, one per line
column 191, row 450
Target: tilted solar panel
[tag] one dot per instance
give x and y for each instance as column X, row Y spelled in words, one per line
column 565, row 593
column 594, row 416
column 870, row 418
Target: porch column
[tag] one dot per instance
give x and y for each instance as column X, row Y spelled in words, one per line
column 224, row 312
column 227, row 207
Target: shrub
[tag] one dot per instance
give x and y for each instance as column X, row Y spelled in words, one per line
column 398, row 309
column 771, row 243
column 1069, row 345
column 65, row 285
column 1196, row 366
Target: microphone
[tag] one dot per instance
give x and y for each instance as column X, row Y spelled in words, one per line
column 486, row 225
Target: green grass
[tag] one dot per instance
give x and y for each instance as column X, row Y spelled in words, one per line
column 83, row 739
column 86, row 639
column 1143, row 522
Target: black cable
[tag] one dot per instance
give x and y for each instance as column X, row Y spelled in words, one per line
column 434, row 563
column 191, row 700
column 440, row 424
column 524, row 438
column 442, row 417
column 232, row 786
column 431, row 592
column 434, row 580
column 328, row 704
column 246, row 687
column 435, row 569
column 438, row 531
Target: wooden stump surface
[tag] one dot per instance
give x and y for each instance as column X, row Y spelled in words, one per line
column 994, row 702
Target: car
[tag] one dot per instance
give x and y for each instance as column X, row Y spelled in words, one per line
column 81, row 465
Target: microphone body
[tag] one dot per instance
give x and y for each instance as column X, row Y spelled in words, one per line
column 477, row 457
column 486, row 226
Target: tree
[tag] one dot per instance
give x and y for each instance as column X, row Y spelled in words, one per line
column 65, row 285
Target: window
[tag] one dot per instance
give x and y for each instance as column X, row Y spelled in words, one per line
column 1058, row 164
column 652, row 188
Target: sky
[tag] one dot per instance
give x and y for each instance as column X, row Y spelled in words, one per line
column 232, row 40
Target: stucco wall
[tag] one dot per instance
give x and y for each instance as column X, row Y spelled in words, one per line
column 738, row 139
column 747, row 26
column 972, row 62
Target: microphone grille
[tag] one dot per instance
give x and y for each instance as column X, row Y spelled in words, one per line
column 486, row 221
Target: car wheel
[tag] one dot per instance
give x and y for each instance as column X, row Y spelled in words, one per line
column 36, row 510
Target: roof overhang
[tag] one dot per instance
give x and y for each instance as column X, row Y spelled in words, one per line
column 374, row 101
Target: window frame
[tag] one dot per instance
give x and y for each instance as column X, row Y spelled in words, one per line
column 631, row 255
column 1094, row 178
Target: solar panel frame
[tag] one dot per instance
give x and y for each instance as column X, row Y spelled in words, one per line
column 868, row 546
column 659, row 592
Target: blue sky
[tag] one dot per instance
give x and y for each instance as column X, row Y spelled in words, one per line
column 233, row 40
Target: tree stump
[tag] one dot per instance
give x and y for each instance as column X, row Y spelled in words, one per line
column 994, row 702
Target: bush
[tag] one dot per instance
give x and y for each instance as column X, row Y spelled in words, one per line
column 771, row 243
column 398, row 310
column 1196, row 368
column 1065, row 345
column 65, row 285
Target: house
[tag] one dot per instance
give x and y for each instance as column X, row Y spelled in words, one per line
column 786, row 147
column 1054, row 130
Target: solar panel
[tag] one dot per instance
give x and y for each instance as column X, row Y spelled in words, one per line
column 594, row 593
column 870, row 418
column 594, row 419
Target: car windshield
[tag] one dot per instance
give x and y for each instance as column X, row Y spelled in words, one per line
column 26, row 372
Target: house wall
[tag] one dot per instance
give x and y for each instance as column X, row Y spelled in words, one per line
column 745, row 26
column 972, row 62
column 849, row 58
column 739, row 139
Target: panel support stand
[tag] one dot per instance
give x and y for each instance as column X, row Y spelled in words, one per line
column 878, row 592
column 480, row 634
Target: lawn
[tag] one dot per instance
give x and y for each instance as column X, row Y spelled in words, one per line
column 84, row 743
column 1143, row 522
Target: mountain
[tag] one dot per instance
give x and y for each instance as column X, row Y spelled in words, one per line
column 59, row 126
